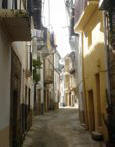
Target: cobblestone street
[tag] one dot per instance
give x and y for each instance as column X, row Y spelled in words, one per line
column 59, row 129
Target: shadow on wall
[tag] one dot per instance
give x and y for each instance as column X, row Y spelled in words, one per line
column 96, row 54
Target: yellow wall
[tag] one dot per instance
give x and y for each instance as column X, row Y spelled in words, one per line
column 94, row 62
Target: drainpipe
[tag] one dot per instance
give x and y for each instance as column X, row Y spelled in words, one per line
column 110, row 122
column 84, row 87
column 107, row 58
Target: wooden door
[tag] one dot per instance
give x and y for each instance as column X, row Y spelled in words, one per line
column 91, row 111
column 15, row 116
column 39, row 101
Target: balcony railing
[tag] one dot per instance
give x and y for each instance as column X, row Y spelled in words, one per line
column 15, row 20
column 35, row 7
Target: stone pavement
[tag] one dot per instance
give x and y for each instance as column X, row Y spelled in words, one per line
column 59, row 129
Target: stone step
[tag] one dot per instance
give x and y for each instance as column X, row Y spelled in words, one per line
column 97, row 136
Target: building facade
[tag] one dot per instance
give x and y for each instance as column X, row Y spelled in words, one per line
column 108, row 9
column 67, row 81
column 57, row 79
column 73, row 81
column 70, row 80
column 94, row 66
column 62, row 98
column 16, row 101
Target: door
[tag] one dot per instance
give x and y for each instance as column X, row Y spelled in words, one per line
column 70, row 97
column 98, row 100
column 4, row 4
column 45, row 100
column 39, row 101
column 91, row 111
column 14, row 4
column 15, row 116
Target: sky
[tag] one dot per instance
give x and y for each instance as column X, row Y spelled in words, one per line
column 58, row 21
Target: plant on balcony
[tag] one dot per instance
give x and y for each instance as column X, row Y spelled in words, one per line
column 36, row 70
column 20, row 13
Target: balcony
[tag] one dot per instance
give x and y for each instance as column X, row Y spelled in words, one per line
column 83, row 11
column 15, row 21
column 35, row 7
column 28, row 73
column 104, row 4
column 49, row 78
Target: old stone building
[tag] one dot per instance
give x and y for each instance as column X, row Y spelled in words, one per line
column 73, row 81
column 49, row 75
column 57, row 70
column 70, row 80
column 66, row 81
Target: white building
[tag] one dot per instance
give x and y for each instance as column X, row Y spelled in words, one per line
column 56, row 78
column 15, row 71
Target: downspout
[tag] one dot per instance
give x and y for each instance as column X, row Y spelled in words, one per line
column 84, row 87
column 107, row 58
column 110, row 121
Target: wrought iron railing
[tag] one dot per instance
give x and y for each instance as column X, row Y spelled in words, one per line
column 33, row 8
column 14, row 4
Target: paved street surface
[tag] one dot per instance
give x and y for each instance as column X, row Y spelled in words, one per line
column 59, row 129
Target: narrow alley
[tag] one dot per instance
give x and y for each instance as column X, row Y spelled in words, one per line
column 60, row 128
column 57, row 73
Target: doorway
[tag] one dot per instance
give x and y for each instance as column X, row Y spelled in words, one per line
column 39, row 101
column 15, row 123
column 97, row 76
column 91, row 111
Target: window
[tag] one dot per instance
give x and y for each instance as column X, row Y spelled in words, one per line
column 14, row 4
column 4, row 4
